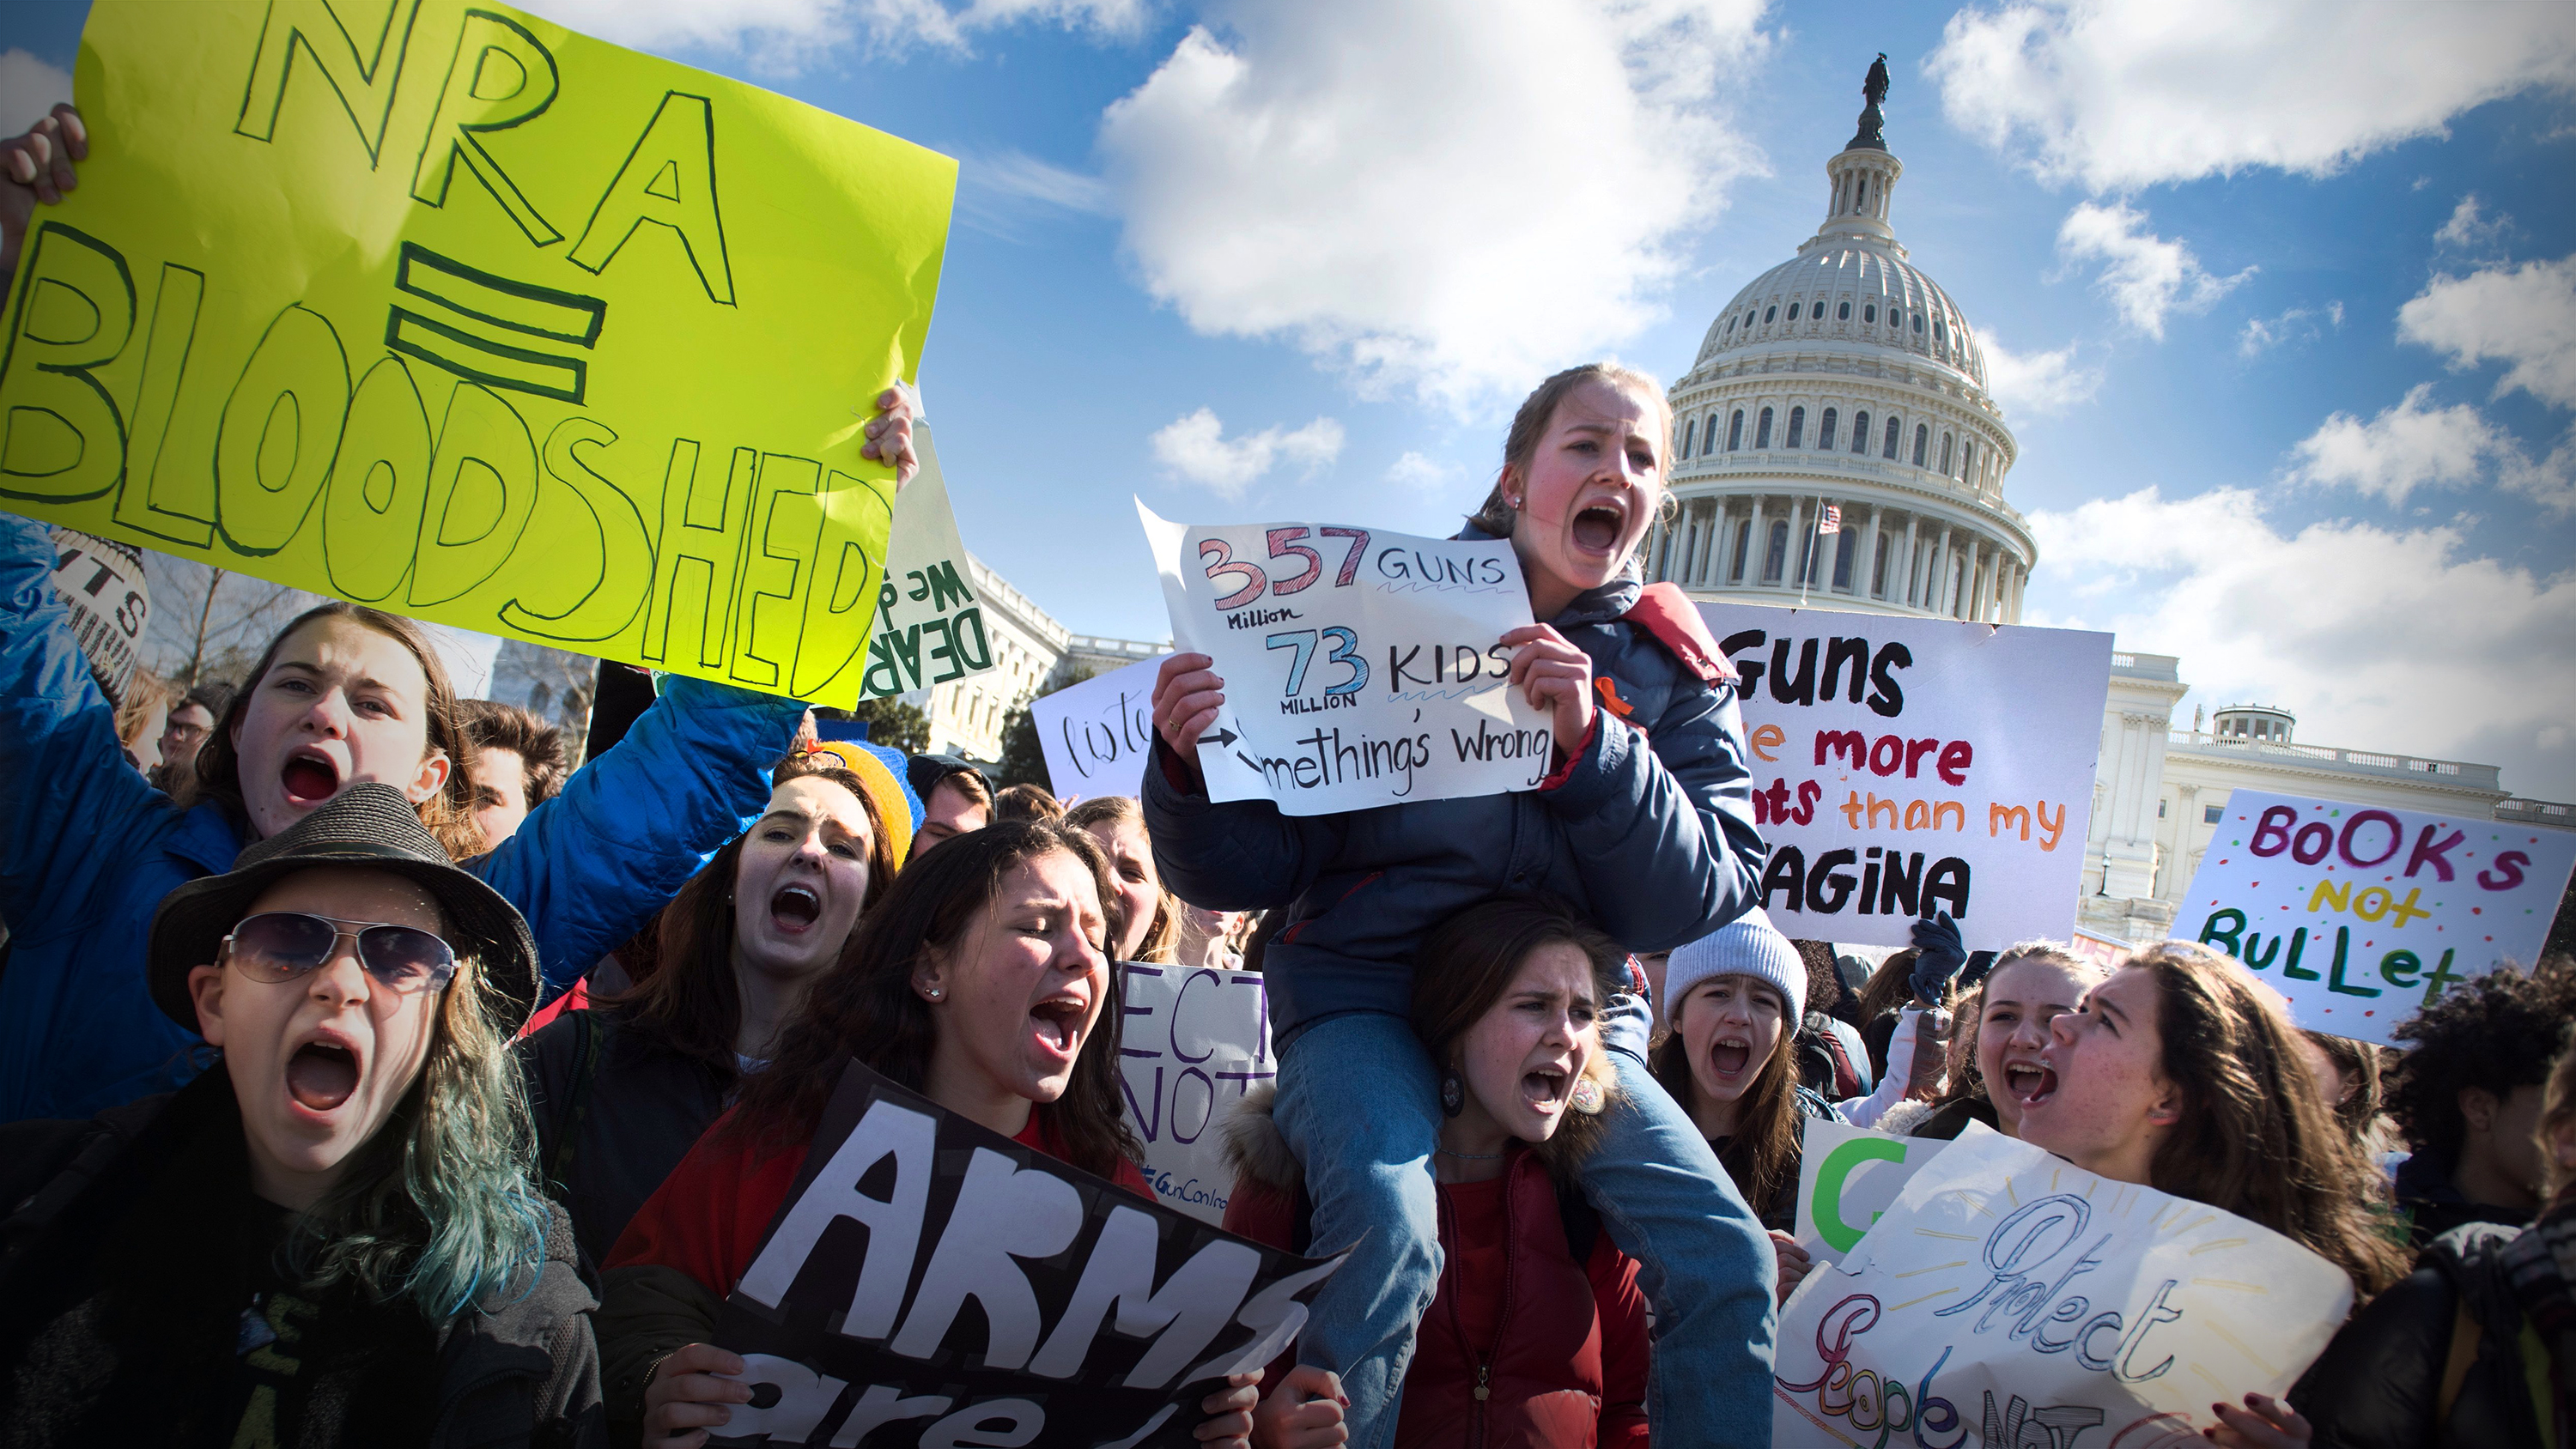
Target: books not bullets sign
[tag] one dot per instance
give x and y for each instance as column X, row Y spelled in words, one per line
column 449, row 310
column 2363, row 915
column 2009, row 1298
column 1905, row 767
column 1360, row 666
column 929, row 1282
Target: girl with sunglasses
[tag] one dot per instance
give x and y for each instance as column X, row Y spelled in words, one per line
column 342, row 694
column 332, row 1238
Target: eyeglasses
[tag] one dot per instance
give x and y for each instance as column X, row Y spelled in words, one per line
column 279, row 946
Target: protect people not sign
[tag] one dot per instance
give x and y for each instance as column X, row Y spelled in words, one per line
column 1362, row 667
column 452, row 311
column 2363, row 915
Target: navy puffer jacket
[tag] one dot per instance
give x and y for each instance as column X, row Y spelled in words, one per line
column 1650, row 833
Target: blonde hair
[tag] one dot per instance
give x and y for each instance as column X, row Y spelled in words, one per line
column 2557, row 1112
column 1538, row 410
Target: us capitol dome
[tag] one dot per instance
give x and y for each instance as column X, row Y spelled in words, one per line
column 1843, row 386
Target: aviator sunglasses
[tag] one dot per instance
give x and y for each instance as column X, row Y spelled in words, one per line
column 279, row 946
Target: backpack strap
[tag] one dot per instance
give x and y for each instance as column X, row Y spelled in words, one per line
column 1667, row 613
column 559, row 1162
column 2465, row 1338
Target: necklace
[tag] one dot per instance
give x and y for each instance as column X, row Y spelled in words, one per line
column 1470, row 1156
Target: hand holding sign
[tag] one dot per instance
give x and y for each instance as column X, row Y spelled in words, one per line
column 40, row 161
column 1557, row 678
column 1370, row 668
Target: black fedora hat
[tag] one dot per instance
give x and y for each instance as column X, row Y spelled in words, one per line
column 370, row 826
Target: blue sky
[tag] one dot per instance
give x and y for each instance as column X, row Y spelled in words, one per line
column 2281, row 296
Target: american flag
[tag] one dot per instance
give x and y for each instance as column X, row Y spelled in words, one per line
column 1832, row 520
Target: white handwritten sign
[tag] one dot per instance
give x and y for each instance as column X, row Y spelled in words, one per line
column 1361, row 666
column 1903, row 767
column 1194, row 1042
column 1847, row 1177
column 2362, row 915
column 1098, row 734
column 2013, row 1299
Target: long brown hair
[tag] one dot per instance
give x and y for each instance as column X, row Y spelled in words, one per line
column 1538, row 410
column 865, row 1005
column 449, row 814
column 2252, row 1138
column 691, row 1004
column 1468, row 961
column 1762, row 1155
column 1161, row 946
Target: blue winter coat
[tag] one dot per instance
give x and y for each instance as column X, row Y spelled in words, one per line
column 1650, row 833
column 87, row 850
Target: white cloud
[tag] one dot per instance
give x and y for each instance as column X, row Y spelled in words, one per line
column 2298, row 324
column 29, row 89
column 2471, row 230
column 2037, row 382
column 784, row 34
column 2412, row 445
column 2353, row 626
column 2525, row 316
column 2144, row 275
column 1415, row 471
column 2121, row 94
column 1017, row 174
column 1194, row 448
column 1457, row 197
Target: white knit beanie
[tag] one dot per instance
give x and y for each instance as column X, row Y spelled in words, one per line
column 1748, row 946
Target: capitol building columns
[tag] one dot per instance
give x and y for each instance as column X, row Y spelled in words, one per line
column 1844, row 388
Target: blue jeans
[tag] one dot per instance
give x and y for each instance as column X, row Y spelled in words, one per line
column 1359, row 1106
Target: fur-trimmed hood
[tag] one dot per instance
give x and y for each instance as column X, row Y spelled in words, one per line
column 1255, row 1148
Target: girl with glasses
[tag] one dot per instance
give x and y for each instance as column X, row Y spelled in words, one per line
column 332, row 1238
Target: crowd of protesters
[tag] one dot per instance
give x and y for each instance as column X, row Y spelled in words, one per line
column 292, row 1156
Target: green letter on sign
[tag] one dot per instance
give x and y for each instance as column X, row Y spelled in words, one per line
column 1838, row 1165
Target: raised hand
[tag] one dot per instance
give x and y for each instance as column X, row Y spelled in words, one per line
column 36, row 167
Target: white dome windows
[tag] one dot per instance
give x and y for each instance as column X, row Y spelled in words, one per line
column 1690, row 430
column 1762, row 430
column 1842, row 313
column 1797, row 426
column 1918, row 324
column 1869, row 313
column 1889, row 452
column 1770, row 312
column 1945, row 454
column 1922, row 442
column 1860, row 431
column 1735, row 431
column 1825, row 432
column 1793, row 311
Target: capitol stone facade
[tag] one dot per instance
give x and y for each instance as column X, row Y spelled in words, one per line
column 1845, row 378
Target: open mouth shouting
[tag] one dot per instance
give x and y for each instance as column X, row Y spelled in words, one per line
column 323, row 1073
column 794, row 909
column 2028, row 1080
column 1546, row 1089
column 1599, row 525
column 1731, row 1058
column 1056, row 1025
column 309, row 777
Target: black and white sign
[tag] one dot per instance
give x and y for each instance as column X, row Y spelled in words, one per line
column 932, row 1283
